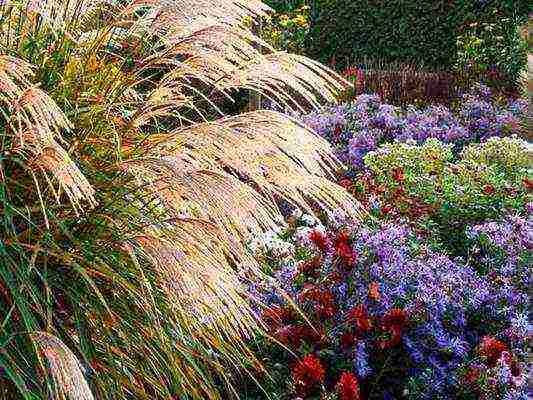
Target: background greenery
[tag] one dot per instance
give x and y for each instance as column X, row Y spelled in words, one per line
column 475, row 37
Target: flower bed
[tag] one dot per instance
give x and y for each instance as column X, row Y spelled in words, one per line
column 359, row 127
column 426, row 297
column 383, row 314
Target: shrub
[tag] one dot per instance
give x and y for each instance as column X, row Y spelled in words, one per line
column 421, row 32
column 123, row 210
column 435, row 34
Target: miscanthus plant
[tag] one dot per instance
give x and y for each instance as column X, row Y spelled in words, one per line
column 123, row 206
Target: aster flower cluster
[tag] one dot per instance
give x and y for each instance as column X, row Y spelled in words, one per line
column 382, row 313
column 359, row 127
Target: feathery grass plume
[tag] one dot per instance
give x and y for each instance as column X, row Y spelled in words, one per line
column 125, row 207
column 64, row 368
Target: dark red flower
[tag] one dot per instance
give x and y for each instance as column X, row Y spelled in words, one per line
column 276, row 316
column 528, row 183
column 359, row 315
column 343, row 248
column 307, row 373
column 400, row 191
column 345, row 183
column 492, row 350
column 286, row 335
column 489, row 189
column 472, row 375
column 347, row 340
column 308, row 292
column 335, row 277
column 311, row 267
column 392, row 323
column 338, row 130
column 348, row 387
column 318, row 239
column 325, row 304
column 512, row 363
column 311, row 335
column 395, row 317
column 515, row 368
column 295, row 335
column 397, row 175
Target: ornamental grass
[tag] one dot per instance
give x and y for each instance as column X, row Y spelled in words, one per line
column 125, row 197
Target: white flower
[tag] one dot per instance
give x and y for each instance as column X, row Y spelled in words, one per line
column 297, row 213
column 309, row 220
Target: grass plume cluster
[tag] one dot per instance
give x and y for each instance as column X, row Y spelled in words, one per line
column 124, row 205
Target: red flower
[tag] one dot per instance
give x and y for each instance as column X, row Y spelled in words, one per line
column 275, row 316
column 337, row 131
column 345, row 252
column 472, row 375
column 308, row 292
column 285, row 335
column 343, row 249
column 528, row 183
column 325, row 305
column 335, row 277
column 347, row 340
column 400, row 191
column 397, row 174
column 492, row 349
column 345, row 183
column 488, row 189
column 393, row 323
column 348, row 387
column 294, row 335
column 307, row 373
column 318, row 239
column 386, row 209
column 310, row 268
column 394, row 318
column 360, row 316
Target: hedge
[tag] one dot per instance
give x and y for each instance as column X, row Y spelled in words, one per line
column 422, row 31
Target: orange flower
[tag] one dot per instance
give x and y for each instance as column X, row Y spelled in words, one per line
column 373, row 291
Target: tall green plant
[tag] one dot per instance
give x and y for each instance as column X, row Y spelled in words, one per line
column 123, row 209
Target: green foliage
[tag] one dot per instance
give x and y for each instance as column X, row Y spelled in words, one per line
column 425, row 32
column 123, row 209
column 491, row 49
column 486, row 179
column 395, row 30
column 288, row 28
